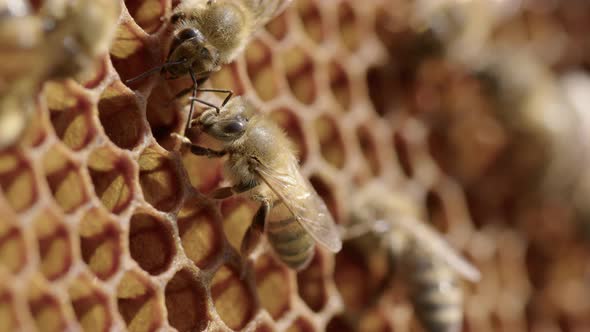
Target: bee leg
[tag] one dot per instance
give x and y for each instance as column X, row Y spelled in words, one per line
column 199, row 150
column 210, row 153
column 192, row 108
column 195, row 89
column 229, row 93
column 186, row 91
column 254, row 232
column 225, row 192
column 222, row 193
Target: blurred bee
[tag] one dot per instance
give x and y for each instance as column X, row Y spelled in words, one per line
column 209, row 34
column 535, row 109
column 465, row 27
column 60, row 41
column 430, row 265
column 261, row 161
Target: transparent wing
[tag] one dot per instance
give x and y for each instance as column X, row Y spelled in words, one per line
column 303, row 202
column 265, row 10
column 431, row 241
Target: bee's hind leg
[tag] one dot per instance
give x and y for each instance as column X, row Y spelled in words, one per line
column 254, row 232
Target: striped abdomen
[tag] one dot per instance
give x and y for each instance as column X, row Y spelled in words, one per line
column 291, row 242
column 435, row 294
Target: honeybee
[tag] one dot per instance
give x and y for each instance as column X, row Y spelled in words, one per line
column 211, row 33
column 261, row 161
column 60, row 41
column 465, row 27
column 431, row 267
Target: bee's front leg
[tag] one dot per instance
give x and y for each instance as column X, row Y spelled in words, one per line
column 199, row 150
column 210, row 153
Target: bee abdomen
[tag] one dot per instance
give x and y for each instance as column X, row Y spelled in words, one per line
column 436, row 296
column 291, row 242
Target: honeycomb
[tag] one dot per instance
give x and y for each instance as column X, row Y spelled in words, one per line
column 105, row 226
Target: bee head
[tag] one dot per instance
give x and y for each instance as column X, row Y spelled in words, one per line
column 190, row 45
column 230, row 123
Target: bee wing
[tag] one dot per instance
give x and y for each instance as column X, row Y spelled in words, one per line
column 431, row 241
column 266, row 10
column 303, row 202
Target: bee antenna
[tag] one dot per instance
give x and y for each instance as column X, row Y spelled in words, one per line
column 153, row 70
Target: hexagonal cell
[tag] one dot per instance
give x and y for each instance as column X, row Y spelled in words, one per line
column 382, row 84
column 348, row 26
column 186, row 302
column 278, row 27
column 120, row 116
column 200, row 236
column 292, row 125
column 35, row 132
column 8, row 315
column 159, row 179
column 375, row 320
column 17, row 181
column 311, row 284
column 369, row 149
column 326, row 193
column 204, row 173
column 362, row 273
column 13, row 249
column 260, row 69
column 330, row 141
column 129, row 53
column 299, row 68
column 234, row 301
column 437, row 214
column 273, row 286
column 71, row 114
column 54, row 243
column 340, row 85
column 264, row 327
column 150, row 243
column 64, row 180
column 62, row 95
column 340, row 323
column 147, row 14
column 47, row 312
column 237, row 216
column 403, row 156
column 90, row 305
column 138, row 303
column 92, row 77
column 311, row 20
column 301, row 325
column 164, row 113
column 100, row 243
column 228, row 78
column 111, row 175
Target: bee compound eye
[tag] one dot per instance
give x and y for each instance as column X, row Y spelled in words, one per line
column 233, row 127
column 187, row 34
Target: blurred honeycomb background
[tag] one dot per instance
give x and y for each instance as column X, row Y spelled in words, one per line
column 104, row 225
